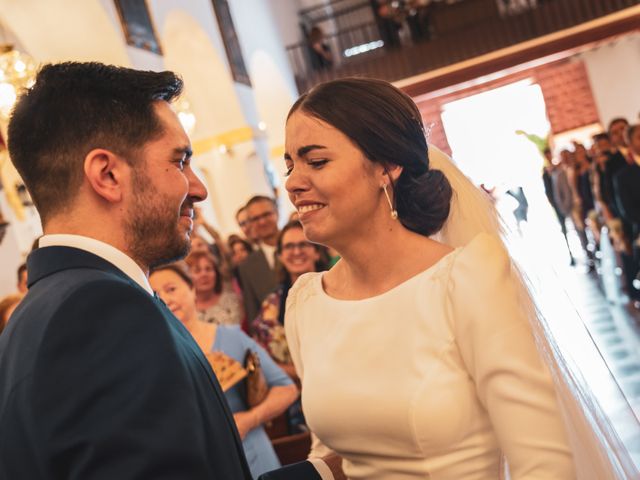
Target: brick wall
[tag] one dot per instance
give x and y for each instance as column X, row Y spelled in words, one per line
column 565, row 87
column 567, row 95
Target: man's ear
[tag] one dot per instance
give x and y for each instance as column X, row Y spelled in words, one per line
column 105, row 172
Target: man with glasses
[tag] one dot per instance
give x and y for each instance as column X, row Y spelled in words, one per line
column 257, row 273
column 242, row 217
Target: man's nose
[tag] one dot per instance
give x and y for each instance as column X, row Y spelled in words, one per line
column 197, row 190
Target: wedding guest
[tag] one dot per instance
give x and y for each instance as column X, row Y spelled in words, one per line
column 617, row 134
column 297, row 256
column 7, row 305
column 218, row 300
column 547, row 179
column 627, row 196
column 240, row 249
column 321, row 56
column 242, row 218
column 175, row 287
column 257, row 273
column 22, row 278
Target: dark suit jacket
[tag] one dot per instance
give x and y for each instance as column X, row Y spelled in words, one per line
column 257, row 280
column 98, row 380
column 627, row 193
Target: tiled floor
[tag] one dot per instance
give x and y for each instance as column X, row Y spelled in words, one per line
column 592, row 322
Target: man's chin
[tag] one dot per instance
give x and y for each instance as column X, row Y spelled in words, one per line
column 170, row 255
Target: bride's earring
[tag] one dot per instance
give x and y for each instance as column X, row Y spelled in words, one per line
column 394, row 212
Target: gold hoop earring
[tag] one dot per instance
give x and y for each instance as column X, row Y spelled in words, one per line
column 394, row 212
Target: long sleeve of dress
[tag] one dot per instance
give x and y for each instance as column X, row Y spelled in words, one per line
column 318, row 449
column 496, row 343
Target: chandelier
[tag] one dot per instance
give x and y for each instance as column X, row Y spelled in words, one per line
column 17, row 72
column 185, row 115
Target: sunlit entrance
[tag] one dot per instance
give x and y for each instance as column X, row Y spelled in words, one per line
column 481, row 130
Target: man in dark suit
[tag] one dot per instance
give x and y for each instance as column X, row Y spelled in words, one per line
column 257, row 273
column 627, row 195
column 98, row 379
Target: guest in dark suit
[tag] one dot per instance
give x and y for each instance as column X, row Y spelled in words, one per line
column 98, row 379
column 257, row 273
column 627, row 194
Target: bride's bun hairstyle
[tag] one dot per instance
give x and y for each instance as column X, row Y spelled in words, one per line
column 387, row 126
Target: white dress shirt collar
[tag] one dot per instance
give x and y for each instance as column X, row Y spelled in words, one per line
column 103, row 250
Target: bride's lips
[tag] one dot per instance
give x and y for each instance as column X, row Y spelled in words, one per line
column 308, row 208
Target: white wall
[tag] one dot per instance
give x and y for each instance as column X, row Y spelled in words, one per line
column 285, row 15
column 614, row 73
column 59, row 30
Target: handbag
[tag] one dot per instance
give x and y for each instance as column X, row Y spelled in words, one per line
column 227, row 370
column 255, row 382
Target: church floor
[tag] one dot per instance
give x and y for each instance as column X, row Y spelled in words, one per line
column 592, row 321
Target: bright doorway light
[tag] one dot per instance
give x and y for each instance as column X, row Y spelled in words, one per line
column 481, row 132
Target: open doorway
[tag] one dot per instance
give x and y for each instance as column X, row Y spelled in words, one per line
column 481, row 130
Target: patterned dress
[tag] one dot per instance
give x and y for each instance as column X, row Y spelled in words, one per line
column 268, row 332
column 228, row 310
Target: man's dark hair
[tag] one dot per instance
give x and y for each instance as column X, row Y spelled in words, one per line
column 601, row 136
column 74, row 108
column 261, row 198
column 240, row 210
column 617, row 120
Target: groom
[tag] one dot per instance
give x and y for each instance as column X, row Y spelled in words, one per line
column 98, row 379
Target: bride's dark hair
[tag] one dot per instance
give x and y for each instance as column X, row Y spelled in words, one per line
column 387, row 126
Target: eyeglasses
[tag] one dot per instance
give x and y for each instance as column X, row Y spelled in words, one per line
column 290, row 247
column 262, row 216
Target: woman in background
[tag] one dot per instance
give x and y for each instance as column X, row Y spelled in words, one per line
column 239, row 249
column 217, row 301
column 297, row 256
column 7, row 305
column 175, row 287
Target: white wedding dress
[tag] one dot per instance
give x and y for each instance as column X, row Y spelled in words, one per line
column 432, row 379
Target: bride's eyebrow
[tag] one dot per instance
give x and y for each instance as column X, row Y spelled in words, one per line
column 302, row 151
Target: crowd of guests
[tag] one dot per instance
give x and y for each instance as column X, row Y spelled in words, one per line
column 597, row 188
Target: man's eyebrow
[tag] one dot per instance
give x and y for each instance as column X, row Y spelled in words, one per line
column 302, row 151
column 186, row 151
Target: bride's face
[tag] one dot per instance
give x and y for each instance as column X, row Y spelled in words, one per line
column 334, row 187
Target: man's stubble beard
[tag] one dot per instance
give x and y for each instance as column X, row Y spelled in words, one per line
column 152, row 230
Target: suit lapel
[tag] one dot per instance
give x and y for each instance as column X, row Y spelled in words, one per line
column 204, row 364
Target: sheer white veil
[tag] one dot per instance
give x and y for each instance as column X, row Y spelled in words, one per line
column 599, row 453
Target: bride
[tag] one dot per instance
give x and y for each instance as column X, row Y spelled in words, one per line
column 417, row 351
